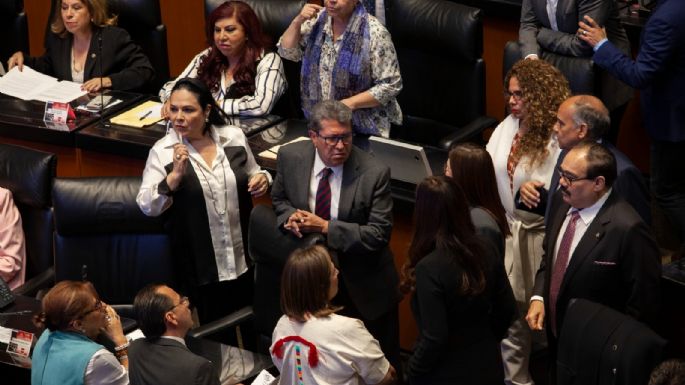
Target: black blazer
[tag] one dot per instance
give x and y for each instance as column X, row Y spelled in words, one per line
column 362, row 231
column 166, row 361
column 629, row 185
column 122, row 60
column 459, row 336
column 616, row 263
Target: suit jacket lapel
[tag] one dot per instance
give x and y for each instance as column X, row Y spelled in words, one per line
column 590, row 239
column 93, row 56
column 349, row 185
column 303, row 171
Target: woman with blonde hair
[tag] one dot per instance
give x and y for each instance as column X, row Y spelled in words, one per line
column 312, row 344
column 85, row 47
column 523, row 149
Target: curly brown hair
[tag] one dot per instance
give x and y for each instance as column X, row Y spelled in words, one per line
column 544, row 88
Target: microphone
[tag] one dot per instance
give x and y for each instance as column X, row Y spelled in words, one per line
column 84, row 273
column 13, row 313
column 102, row 89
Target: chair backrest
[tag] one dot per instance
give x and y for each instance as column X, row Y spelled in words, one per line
column 29, row 175
column 269, row 248
column 275, row 17
column 599, row 345
column 142, row 19
column 99, row 225
column 578, row 71
column 13, row 28
column 439, row 47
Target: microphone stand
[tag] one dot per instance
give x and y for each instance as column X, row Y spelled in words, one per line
column 102, row 89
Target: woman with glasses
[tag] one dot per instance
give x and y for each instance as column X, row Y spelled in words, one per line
column 66, row 353
column 461, row 299
column 204, row 176
column 244, row 78
column 523, row 148
column 312, row 344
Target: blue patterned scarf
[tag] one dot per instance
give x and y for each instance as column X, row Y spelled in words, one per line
column 351, row 72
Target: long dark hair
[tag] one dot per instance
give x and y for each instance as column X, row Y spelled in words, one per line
column 217, row 116
column 472, row 169
column 442, row 222
column 211, row 66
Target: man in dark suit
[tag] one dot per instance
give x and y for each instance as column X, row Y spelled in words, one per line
column 659, row 72
column 548, row 30
column 328, row 186
column 596, row 247
column 162, row 356
column 585, row 118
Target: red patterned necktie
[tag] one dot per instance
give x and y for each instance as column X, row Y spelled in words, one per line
column 560, row 267
column 323, row 195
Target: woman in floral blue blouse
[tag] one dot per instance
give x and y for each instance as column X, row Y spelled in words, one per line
column 346, row 55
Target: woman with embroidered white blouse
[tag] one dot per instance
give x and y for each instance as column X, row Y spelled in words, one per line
column 243, row 77
column 203, row 176
column 312, row 344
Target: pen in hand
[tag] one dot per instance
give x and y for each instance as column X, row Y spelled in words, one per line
column 145, row 115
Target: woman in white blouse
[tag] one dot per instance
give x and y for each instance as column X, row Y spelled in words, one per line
column 312, row 344
column 523, row 149
column 203, row 175
column 243, row 77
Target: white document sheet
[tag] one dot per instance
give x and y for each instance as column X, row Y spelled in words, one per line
column 30, row 84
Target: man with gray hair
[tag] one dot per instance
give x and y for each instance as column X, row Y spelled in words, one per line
column 328, row 186
column 584, row 118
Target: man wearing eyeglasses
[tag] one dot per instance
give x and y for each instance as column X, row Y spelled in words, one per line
column 585, row 118
column 162, row 356
column 596, row 247
column 328, row 186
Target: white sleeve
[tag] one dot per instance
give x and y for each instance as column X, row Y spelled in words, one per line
column 189, row 72
column 295, row 53
column 270, row 84
column 251, row 166
column 150, row 201
column 104, row 368
column 385, row 69
column 364, row 352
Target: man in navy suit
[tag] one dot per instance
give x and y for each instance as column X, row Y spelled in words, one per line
column 659, row 72
column 596, row 247
column 585, row 118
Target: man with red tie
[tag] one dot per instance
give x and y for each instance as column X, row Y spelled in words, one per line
column 596, row 247
column 328, row 186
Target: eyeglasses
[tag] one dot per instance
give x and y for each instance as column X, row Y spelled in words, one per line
column 570, row 178
column 334, row 139
column 518, row 95
column 99, row 306
column 184, row 300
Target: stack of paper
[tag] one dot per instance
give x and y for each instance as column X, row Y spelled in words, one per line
column 141, row 115
column 29, row 84
column 272, row 153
